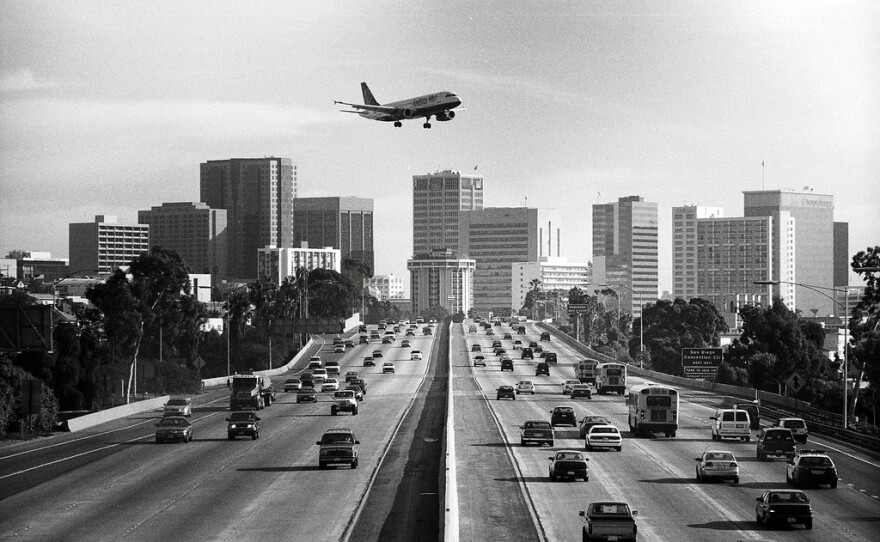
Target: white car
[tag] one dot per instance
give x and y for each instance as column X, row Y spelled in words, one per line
column 525, row 386
column 717, row 464
column 331, row 384
column 315, row 362
column 415, row 355
column 388, row 367
column 604, row 436
column 568, row 386
column 179, row 406
column 292, row 384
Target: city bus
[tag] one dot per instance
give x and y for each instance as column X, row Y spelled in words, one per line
column 610, row 378
column 653, row 409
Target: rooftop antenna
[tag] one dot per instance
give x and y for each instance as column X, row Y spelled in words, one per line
column 527, row 201
column 762, row 174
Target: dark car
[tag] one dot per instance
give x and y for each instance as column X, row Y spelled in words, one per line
column 521, row 330
column 537, row 431
column 369, row 361
column 590, row 421
column 811, row 467
column 363, row 340
column 787, row 506
column 563, row 415
column 506, row 364
column 527, row 353
column 542, row 369
column 506, row 392
column 545, row 336
column 508, row 336
column 550, row 357
column 338, row 447
column 476, row 348
column 360, row 382
column 358, row 391
column 533, row 345
column 245, row 423
column 754, row 413
column 569, row 464
column 775, row 442
column 174, row 428
column 581, row 390
column 305, row 394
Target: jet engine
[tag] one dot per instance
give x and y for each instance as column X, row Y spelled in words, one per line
column 446, row 115
column 407, row 113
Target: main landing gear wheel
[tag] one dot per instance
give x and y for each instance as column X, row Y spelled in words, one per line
column 397, row 124
column 427, row 125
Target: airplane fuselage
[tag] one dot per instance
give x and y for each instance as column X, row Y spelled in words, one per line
column 436, row 104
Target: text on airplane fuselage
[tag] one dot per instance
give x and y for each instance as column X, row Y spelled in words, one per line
column 425, row 100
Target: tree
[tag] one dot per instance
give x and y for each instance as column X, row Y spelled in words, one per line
column 864, row 323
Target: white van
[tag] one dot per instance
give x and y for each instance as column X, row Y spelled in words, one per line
column 332, row 367
column 730, row 423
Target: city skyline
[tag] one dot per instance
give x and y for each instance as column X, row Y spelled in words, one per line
column 681, row 104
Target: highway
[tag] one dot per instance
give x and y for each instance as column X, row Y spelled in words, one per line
column 114, row 483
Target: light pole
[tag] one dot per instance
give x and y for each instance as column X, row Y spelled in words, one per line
column 818, row 290
column 641, row 318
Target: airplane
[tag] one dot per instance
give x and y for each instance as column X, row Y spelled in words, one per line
column 440, row 105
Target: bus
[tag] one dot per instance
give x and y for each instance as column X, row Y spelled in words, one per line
column 585, row 370
column 610, row 377
column 653, row 409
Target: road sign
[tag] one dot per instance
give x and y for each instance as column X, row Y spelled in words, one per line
column 795, row 382
column 701, row 363
column 578, row 308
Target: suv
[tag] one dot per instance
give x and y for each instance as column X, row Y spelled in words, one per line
column 527, row 353
column 545, row 336
column 563, row 415
column 797, row 426
column 506, row 364
column 730, row 423
column 506, row 392
column 245, row 423
column 344, row 401
column 542, row 369
column 332, row 367
column 550, row 357
column 754, row 413
column 775, row 442
column 811, row 467
column 338, row 447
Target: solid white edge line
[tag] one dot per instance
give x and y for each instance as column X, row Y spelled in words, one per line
column 451, row 518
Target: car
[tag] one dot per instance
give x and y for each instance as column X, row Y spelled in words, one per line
column 797, row 426
column 590, row 421
column 479, row 361
column 339, row 349
column 388, row 367
column 381, row 326
column 360, row 382
column 292, row 384
column 363, row 340
column 405, row 343
column 427, row 331
column 500, row 352
column 517, row 344
column 609, row 521
column 533, row 344
column 603, row 436
column 538, row 348
column 410, row 333
column 731, row 423
column 506, row 392
column 490, row 332
column 332, row 367
column 344, row 401
column 811, row 467
column 307, row 380
column 545, row 335
column 369, row 361
column 331, row 384
column 374, row 335
column 351, row 375
column 538, row 431
column 717, row 465
column 349, row 343
column 338, row 447
column 337, row 340
column 358, row 392
column 508, row 336
column 527, row 353
column 789, row 506
column 244, row 423
column 542, row 369
column 569, row 464
column 387, row 340
column 525, row 386
column 174, row 428
column 319, row 375
column 581, row 390
column 774, row 442
column 415, row 355
column 362, row 328
column 377, row 353
column 306, row 394
column 472, row 328
column 550, row 357
column 563, row 415
column 506, row 364
column 315, row 362
column 521, row 330
column 476, row 348
column 179, row 406
column 568, row 385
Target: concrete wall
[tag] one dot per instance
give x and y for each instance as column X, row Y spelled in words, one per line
column 91, row 420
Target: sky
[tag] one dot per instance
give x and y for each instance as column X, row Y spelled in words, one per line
column 110, row 107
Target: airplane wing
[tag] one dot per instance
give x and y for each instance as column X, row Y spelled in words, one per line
column 376, row 108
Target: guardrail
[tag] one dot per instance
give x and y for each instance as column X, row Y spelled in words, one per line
column 773, row 406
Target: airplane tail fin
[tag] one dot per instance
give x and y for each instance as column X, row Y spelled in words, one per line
column 368, row 96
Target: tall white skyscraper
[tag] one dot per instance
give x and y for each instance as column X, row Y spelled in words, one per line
column 437, row 199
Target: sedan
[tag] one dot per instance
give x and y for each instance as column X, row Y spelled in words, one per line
column 405, row 343
column 415, row 355
column 331, row 384
column 358, row 392
column 569, row 464
column 476, row 348
column 245, row 423
column 568, row 385
column 590, row 421
column 525, row 386
column 369, row 361
column 479, row 361
column 351, row 375
column 339, row 349
column 506, row 392
column 377, row 353
column 581, row 390
column 604, row 436
column 174, row 428
column 787, row 506
column 388, row 367
column 304, row 395
column 292, row 384
column 562, row 415
column 717, row 465
column 178, row 407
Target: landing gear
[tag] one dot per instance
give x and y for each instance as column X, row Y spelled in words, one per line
column 397, row 124
column 427, row 124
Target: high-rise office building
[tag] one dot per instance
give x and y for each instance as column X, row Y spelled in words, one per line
column 437, row 199
column 193, row 230
column 345, row 223
column 441, row 279
column 625, row 253
column 497, row 238
column 814, row 245
column 258, row 195
column 553, row 273
column 100, row 247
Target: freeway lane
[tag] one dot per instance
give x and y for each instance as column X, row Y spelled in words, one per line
column 656, row 475
column 214, row 489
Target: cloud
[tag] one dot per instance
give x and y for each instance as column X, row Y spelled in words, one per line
column 24, row 80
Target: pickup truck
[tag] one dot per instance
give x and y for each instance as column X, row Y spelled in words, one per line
column 775, row 442
column 609, row 521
